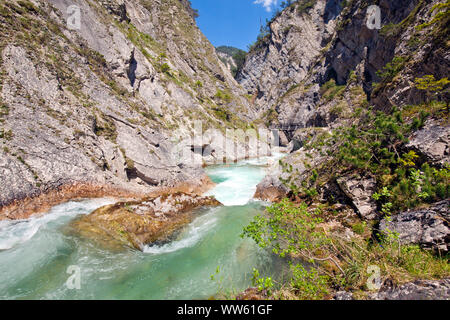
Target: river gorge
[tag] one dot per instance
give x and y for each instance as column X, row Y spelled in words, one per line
column 35, row 254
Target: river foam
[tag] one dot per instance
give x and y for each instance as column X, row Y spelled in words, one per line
column 236, row 183
column 13, row 233
column 190, row 236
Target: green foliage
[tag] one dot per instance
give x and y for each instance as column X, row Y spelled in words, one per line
column 287, row 229
column 238, row 56
column 374, row 145
column 222, row 114
column 215, row 274
column 420, row 263
column 392, row 68
column 429, row 83
column 411, row 187
column 397, row 262
column 270, row 116
column 391, row 30
column 261, row 40
column 28, row 6
column 7, row 135
column 290, row 90
column 165, row 68
column 263, row 284
column 198, row 84
column 192, row 12
column 394, row 30
column 4, row 110
column 442, row 15
column 105, row 126
column 305, row 5
column 308, row 284
column 330, row 90
column 223, row 95
column 129, row 162
column 431, row 86
column 287, row 3
column 370, row 144
column 291, row 230
column 302, row 6
column 359, row 228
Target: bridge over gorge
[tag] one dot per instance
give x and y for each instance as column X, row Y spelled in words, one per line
column 287, row 127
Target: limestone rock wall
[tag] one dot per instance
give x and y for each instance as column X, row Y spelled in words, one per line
column 106, row 102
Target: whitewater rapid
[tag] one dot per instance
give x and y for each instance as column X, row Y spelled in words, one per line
column 236, row 183
column 15, row 232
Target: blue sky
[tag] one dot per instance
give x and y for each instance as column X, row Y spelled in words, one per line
column 233, row 22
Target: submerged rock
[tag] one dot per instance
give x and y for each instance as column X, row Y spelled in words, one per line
column 136, row 224
column 270, row 189
column 428, row 227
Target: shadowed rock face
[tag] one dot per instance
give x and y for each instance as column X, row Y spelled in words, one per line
column 287, row 57
column 136, row 224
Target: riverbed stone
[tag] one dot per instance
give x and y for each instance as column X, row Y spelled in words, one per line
column 139, row 223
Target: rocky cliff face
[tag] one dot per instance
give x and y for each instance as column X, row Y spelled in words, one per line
column 312, row 42
column 320, row 62
column 284, row 58
column 318, row 71
column 100, row 99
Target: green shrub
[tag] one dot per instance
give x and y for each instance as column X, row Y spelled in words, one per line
column 4, row 110
column 330, row 90
column 223, row 95
column 441, row 17
column 431, row 86
column 263, row 284
column 391, row 69
column 105, row 126
column 287, row 229
column 359, row 228
column 308, row 284
column 165, row 68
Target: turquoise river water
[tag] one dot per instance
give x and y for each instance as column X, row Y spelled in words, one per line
column 35, row 254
